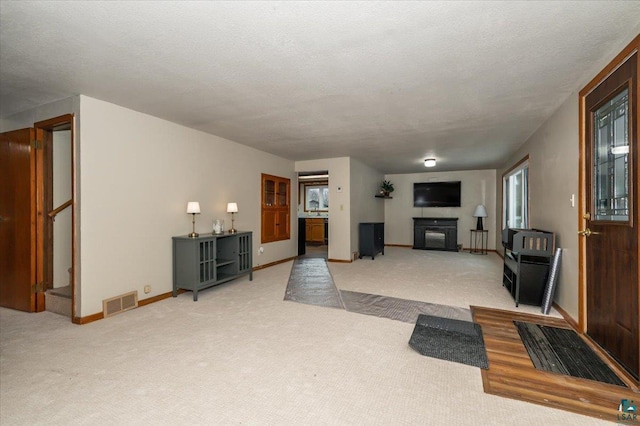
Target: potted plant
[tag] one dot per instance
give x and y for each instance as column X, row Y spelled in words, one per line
column 386, row 188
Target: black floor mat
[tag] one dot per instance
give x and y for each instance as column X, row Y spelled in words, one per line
column 450, row 340
column 560, row 350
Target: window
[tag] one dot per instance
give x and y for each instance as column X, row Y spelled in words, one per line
column 515, row 196
column 316, row 198
column 275, row 212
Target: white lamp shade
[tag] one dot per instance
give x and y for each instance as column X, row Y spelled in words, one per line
column 193, row 207
column 430, row 162
column 480, row 211
column 232, row 207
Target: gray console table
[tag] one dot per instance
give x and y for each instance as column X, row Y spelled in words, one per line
column 209, row 260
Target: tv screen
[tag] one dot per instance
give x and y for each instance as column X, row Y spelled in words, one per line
column 436, row 194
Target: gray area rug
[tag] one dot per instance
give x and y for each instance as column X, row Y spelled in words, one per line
column 560, row 350
column 399, row 309
column 449, row 340
column 310, row 282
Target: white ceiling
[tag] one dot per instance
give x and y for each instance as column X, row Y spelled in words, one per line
column 389, row 83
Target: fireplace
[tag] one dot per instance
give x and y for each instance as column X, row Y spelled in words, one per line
column 434, row 239
column 435, row 233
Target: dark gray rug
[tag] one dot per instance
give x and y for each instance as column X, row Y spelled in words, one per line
column 560, row 350
column 399, row 309
column 310, row 282
column 450, row 340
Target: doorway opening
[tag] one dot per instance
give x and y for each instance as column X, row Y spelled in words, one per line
column 57, row 239
column 313, row 214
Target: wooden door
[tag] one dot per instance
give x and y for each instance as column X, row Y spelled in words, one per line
column 18, row 220
column 611, row 214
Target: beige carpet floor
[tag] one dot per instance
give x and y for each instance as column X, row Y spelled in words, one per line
column 243, row 356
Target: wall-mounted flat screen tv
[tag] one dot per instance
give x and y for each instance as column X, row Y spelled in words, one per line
column 436, row 194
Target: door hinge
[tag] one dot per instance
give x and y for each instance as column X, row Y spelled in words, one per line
column 37, row 287
column 36, row 144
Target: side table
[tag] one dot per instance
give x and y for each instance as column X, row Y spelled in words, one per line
column 478, row 243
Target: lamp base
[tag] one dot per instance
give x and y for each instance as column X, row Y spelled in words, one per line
column 233, row 231
column 193, row 235
column 479, row 224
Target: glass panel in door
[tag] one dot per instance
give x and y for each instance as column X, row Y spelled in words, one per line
column 611, row 160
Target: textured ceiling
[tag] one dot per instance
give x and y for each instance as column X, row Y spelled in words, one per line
column 389, row 83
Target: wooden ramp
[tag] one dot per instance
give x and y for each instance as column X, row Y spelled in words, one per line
column 511, row 373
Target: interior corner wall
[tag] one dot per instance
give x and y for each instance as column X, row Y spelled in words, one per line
column 339, row 202
column 138, row 172
column 553, row 178
column 27, row 118
column 477, row 187
column 365, row 184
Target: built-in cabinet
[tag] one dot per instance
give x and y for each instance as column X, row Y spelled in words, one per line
column 276, row 211
column 209, row 260
column 314, row 230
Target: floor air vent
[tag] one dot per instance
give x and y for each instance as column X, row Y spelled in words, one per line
column 121, row 303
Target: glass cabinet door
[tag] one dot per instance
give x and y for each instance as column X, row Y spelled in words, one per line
column 269, row 192
column 283, row 194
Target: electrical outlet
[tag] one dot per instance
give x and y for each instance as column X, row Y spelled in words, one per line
column 261, row 250
column 147, row 289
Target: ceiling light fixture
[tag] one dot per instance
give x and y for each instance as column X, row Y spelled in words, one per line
column 430, row 162
column 309, row 177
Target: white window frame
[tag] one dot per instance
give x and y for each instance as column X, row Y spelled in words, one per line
column 510, row 192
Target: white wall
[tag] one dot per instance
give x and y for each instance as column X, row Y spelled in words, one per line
column 553, row 177
column 137, row 173
column 339, row 202
column 478, row 187
column 365, row 184
column 62, row 232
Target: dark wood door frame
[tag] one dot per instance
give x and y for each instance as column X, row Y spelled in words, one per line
column 584, row 144
column 44, row 131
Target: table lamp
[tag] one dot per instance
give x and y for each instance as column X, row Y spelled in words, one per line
column 480, row 212
column 233, row 209
column 193, row 208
